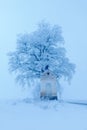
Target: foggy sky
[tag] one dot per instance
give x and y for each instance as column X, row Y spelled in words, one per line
column 19, row 16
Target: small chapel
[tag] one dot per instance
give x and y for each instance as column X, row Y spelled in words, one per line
column 48, row 87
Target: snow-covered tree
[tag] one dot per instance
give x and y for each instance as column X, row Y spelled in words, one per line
column 43, row 49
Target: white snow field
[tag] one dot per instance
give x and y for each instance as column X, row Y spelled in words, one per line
column 42, row 115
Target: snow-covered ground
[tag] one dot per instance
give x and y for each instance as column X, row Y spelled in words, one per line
column 40, row 115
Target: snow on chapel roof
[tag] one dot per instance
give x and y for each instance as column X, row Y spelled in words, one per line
column 48, row 75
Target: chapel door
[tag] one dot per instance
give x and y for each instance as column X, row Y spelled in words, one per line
column 48, row 89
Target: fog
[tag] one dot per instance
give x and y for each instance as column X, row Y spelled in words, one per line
column 18, row 16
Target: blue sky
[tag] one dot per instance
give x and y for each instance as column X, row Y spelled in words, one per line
column 19, row 16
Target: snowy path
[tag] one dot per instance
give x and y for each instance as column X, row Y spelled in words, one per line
column 28, row 116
